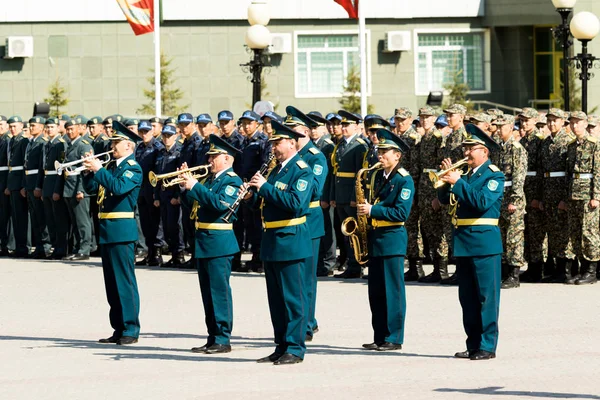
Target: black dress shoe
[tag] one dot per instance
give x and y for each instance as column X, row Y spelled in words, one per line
column 365, row 276
column 324, row 272
column 387, row 346
column 315, row 330
column 80, row 257
column 143, row 261
column 139, row 253
column 464, row 354
column 68, row 257
column 482, row 355
column 370, row 346
column 201, row 349
column 308, row 338
column 39, row 256
column 19, row 254
column 218, row 348
column 125, row 340
column 4, row 252
column 451, row 280
column 96, row 253
column 112, row 339
column 271, row 358
column 57, row 256
column 287, row 359
column 347, row 274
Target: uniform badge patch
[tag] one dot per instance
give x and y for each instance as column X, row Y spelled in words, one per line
column 128, row 174
column 317, row 170
column 492, row 185
column 280, row 185
column 229, row 190
column 301, row 185
column 405, row 194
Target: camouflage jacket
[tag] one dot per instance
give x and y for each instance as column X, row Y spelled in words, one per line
column 553, row 161
column 583, row 169
column 412, row 138
column 428, row 157
column 512, row 161
column 532, row 143
column 453, row 145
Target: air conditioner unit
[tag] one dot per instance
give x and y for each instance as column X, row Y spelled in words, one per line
column 19, row 47
column 397, row 41
column 280, row 43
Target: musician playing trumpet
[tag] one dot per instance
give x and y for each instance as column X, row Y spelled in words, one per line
column 215, row 241
column 392, row 195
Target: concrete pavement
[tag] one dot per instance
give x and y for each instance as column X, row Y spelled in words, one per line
column 53, row 314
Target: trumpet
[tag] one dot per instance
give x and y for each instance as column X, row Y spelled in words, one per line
column 172, row 178
column 434, row 177
column 70, row 168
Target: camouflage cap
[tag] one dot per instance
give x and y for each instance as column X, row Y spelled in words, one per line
column 529, row 112
column 504, row 119
column 578, row 115
column 403, row 113
column 456, row 109
column 593, row 120
column 427, row 110
column 494, row 112
column 542, row 120
column 558, row 113
column 482, row 117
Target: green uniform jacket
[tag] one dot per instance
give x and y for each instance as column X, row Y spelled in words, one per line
column 347, row 159
column 73, row 183
column 553, row 159
column 286, row 196
column 121, row 189
column 479, row 196
column 33, row 163
column 532, row 142
column 512, row 161
column 18, row 145
column 214, row 198
column 583, row 169
column 392, row 204
column 317, row 162
column 55, row 151
column 4, row 143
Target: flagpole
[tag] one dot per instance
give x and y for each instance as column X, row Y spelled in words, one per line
column 362, row 44
column 157, row 83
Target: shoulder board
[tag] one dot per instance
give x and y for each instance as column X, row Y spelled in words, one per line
column 84, row 141
column 105, row 138
column 61, row 140
column 44, row 138
column 494, row 168
column 591, row 139
column 437, row 134
column 131, row 162
column 413, row 136
column 571, row 142
column 403, row 172
column 329, row 141
column 361, row 141
column 231, row 173
column 540, row 135
column 302, row 164
column 517, row 145
column 181, row 140
column 314, row 150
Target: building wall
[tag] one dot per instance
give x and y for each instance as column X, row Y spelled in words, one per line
column 593, row 48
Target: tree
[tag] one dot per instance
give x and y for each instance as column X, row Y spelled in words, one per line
column 457, row 91
column 170, row 95
column 264, row 95
column 57, row 98
column 350, row 100
column 574, row 93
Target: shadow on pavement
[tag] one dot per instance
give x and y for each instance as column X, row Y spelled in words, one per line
column 172, row 357
column 359, row 351
column 496, row 391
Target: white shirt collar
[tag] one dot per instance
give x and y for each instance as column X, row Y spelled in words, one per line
column 348, row 140
column 284, row 163
column 218, row 174
column 475, row 169
column 120, row 160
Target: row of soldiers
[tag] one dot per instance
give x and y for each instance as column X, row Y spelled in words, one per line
column 536, row 207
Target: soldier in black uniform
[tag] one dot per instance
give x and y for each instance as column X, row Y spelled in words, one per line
column 5, row 226
column 205, row 127
column 147, row 155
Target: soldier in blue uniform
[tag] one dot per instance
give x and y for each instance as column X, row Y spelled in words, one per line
column 5, row 226
column 147, row 154
column 476, row 200
column 167, row 199
column 118, row 186
column 255, row 152
column 18, row 202
column 300, row 123
column 392, row 195
column 286, row 243
column 216, row 243
column 266, row 122
column 55, row 209
column 205, row 127
column 347, row 160
column 32, row 185
column 100, row 144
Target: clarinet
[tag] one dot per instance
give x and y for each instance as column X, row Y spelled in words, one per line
column 264, row 170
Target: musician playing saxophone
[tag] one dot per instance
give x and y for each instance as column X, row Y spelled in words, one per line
column 392, row 195
column 215, row 241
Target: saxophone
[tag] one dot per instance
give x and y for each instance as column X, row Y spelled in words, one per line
column 356, row 228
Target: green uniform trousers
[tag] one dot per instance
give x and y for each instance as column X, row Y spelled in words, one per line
column 310, row 287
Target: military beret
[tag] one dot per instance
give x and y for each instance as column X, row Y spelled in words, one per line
column 81, row 120
column 94, row 121
column 71, row 122
column 528, row 112
column 170, row 121
column 15, row 118
column 593, row 120
column 108, row 121
column 25, row 125
column 203, row 119
column 3, row 118
column 504, row 119
column 52, row 121
column 65, row 117
column 456, row 109
column 225, row 115
column 403, row 113
column 578, row 115
column 427, row 111
column 169, row 130
column 37, row 120
column 349, row 118
column 156, row 119
column 482, row 117
column 131, row 122
column 558, row 113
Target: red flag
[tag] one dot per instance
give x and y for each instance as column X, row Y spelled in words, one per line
column 139, row 14
column 351, row 6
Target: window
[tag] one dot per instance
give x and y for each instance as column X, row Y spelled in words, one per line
column 440, row 57
column 323, row 62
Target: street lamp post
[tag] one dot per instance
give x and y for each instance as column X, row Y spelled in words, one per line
column 563, row 36
column 584, row 26
column 258, row 38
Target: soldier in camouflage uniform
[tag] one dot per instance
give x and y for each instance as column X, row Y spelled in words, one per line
column 453, row 149
column 534, row 230
column 594, row 126
column 553, row 191
column 428, row 159
column 403, row 118
column 512, row 161
column 583, row 177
